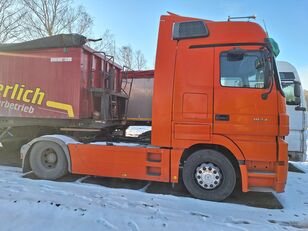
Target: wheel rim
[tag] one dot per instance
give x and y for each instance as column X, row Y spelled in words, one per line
column 49, row 158
column 208, row 176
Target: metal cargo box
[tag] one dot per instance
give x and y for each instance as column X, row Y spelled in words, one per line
column 59, row 77
column 140, row 102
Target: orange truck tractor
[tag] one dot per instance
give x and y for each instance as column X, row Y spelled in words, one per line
column 218, row 117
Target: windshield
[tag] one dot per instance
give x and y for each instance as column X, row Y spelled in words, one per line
column 285, row 76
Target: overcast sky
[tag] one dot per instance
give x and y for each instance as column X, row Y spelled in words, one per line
column 135, row 22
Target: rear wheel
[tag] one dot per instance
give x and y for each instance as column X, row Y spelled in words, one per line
column 209, row 175
column 48, row 161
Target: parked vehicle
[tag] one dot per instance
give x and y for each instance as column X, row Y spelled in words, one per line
column 58, row 84
column 218, row 117
column 297, row 110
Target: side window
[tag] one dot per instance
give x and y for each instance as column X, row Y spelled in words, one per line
column 244, row 72
column 288, row 89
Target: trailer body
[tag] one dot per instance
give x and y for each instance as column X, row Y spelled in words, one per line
column 57, row 78
column 218, row 116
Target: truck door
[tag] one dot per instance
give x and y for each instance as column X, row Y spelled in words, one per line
column 240, row 112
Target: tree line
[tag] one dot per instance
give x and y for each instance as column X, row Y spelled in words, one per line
column 23, row 20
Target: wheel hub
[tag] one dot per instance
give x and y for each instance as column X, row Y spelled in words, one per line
column 49, row 158
column 208, row 176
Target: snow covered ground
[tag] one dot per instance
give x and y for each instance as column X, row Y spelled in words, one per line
column 27, row 204
column 135, row 131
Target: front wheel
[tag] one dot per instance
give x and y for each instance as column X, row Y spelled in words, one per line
column 209, row 175
column 48, row 161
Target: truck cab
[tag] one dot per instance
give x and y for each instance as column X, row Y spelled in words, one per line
column 297, row 110
column 225, row 94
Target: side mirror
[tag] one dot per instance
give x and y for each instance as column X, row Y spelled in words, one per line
column 236, row 54
column 268, row 82
column 297, row 89
column 297, row 100
column 268, row 72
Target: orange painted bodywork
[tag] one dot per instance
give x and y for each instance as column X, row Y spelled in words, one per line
column 187, row 96
column 123, row 162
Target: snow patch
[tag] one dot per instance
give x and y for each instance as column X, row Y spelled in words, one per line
column 135, row 131
column 116, row 144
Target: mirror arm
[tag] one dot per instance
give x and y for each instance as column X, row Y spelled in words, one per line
column 299, row 108
column 264, row 96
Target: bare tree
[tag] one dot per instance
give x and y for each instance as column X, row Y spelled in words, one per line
column 79, row 21
column 10, row 20
column 134, row 60
column 51, row 17
column 125, row 56
column 139, row 61
column 107, row 44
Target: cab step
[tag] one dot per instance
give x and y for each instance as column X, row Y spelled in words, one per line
column 261, row 174
column 260, row 189
column 261, row 181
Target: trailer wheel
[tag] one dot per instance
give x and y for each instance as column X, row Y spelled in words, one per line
column 209, row 175
column 48, row 161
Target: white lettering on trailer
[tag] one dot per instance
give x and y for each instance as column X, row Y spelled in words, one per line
column 61, row 59
column 16, row 107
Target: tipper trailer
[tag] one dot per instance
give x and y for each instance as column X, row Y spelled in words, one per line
column 58, row 83
column 218, row 117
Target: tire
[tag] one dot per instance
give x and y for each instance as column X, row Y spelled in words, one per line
column 209, row 175
column 48, row 160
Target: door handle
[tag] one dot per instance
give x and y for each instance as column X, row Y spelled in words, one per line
column 222, row 117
